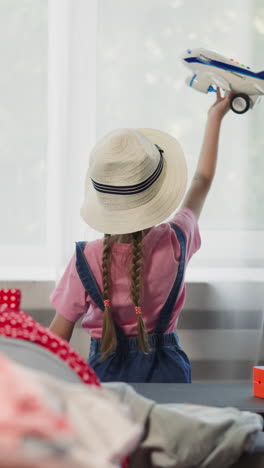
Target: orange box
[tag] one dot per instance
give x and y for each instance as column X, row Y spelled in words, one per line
column 258, row 381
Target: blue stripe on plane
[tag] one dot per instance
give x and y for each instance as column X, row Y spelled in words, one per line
column 192, row 80
column 225, row 66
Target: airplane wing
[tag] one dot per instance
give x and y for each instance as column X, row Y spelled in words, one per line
column 221, row 82
column 259, row 88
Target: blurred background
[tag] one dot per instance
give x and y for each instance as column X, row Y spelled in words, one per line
column 72, row 70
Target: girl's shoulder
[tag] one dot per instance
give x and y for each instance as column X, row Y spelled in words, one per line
column 159, row 237
column 163, row 237
column 93, row 247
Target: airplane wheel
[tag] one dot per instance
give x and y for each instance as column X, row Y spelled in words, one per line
column 240, row 103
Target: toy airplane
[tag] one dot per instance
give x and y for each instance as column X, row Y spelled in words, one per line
column 211, row 70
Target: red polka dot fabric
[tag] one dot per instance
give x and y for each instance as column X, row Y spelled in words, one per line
column 15, row 323
column 10, row 298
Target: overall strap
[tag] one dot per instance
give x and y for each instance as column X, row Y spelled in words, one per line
column 167, row 309
column 89, row 283
column 86, row 276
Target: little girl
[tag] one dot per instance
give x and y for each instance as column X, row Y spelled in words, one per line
column 129, row 287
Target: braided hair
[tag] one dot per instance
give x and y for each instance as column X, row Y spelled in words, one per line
column 136, row 287
column 109, row 339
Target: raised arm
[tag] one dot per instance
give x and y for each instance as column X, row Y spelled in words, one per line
column 204, row 174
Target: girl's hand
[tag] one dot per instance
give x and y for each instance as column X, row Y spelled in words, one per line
column 221, row 105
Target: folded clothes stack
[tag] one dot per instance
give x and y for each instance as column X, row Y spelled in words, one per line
column 55, row 413
column 188, row 436
column 44, row 418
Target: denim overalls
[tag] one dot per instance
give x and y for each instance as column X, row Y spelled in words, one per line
column 165, row 362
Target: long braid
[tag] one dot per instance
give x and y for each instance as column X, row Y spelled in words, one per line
column 109, row 340
column 135, row 289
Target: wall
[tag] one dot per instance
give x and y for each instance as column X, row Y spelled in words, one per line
column 220, row 326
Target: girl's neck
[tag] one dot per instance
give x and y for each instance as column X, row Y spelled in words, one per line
column 126, row 238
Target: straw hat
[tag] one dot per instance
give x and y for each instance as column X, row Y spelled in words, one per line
column 135, row 180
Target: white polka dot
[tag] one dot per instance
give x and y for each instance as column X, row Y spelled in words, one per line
column 44, row 339
column 13, row 298
column 5, row 290
column 12, row 306
column 5, row 298
column 54, row 344
column 13, row 322
column 13, row 291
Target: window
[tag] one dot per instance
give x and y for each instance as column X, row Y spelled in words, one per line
column 140, row 82
column 94, row 66
column 23, row 136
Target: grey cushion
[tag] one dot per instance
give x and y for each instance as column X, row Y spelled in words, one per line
column 35, row 357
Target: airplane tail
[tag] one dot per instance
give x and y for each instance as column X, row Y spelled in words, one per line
column 261, row 74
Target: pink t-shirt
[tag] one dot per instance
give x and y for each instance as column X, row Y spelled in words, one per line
column 161, row 254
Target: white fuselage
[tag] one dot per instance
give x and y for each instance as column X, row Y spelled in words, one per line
column 228, row 73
